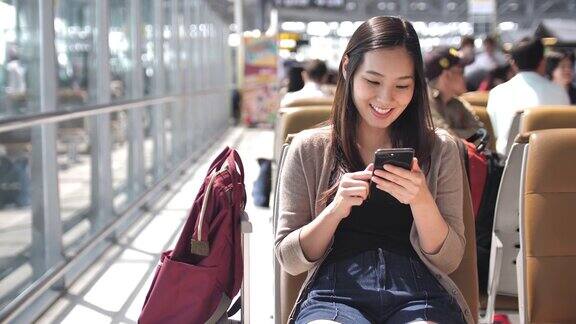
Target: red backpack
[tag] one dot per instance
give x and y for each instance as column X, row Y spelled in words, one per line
column 195, row 282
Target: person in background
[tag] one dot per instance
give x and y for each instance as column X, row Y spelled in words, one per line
column 497, row 76
column 445, row 76
column 314, row 76
column 466, row 51
column 329, row 86
column 491, row 57
column 295, row 80
column 529, row 88
column 560, row 69
column 485, row 61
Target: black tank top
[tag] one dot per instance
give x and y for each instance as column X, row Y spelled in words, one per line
column 380, row 222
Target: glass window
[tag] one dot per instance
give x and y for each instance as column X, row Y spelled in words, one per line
column 19, row 60
column 19, row 264
column 74, row 25
column 148, row 48
column 119, row 39
column 120, row 160
column 75, row 182
column 170, row 58
column 149, row 145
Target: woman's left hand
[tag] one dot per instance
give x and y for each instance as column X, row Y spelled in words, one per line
column 408, row 186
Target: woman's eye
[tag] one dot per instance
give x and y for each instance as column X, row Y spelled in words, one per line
column 402, row 87
column 372, row 82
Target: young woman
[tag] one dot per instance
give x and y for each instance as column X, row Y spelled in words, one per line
column 560, row 69
column 371, row 261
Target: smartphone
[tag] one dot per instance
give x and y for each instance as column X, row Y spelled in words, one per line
column 400, row 157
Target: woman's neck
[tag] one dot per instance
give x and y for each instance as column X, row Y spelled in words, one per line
column 369, row 139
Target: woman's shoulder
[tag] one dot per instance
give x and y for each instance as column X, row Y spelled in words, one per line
column 312, row 139
column 444, row 144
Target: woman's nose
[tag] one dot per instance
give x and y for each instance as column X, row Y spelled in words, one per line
column 385, row 94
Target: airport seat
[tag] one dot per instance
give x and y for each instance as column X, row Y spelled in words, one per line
column 485, row 119
column 304, row 102
column 547, row 117
column 502, row 280
column 287, row 286
column 547, row 257
column 294, row 119
column 476, row 98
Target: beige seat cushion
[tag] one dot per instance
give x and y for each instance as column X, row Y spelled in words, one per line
column 548, row 224
column 476, row 98
column 485, row 119
column 547, row 117
column 320, row 101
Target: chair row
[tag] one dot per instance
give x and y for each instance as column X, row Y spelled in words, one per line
column 543, row 131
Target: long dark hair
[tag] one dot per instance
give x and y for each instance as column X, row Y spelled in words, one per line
column 413, row 128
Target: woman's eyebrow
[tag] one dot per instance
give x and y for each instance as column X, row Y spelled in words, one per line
column 380, row 75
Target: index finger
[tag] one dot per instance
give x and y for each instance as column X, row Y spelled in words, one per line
column 362, row 175
column 398, row 170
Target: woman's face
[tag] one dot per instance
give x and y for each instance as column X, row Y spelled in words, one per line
column 563, row 73
column 383, row 86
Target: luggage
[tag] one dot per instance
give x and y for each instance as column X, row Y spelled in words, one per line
column 484, row 169
column 195, row 282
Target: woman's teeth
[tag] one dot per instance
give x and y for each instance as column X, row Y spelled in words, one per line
column 381, row 110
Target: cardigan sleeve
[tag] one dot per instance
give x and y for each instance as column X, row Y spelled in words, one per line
column 295, row 208
column 449, row 199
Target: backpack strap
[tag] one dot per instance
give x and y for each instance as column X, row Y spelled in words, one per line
column 233, row 165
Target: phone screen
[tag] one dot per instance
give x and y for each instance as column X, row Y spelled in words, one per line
column 399, row 157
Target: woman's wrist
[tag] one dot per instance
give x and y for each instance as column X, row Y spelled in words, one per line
column 423, row 201
column 331, row 214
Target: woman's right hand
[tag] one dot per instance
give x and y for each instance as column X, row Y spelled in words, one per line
column 352, row 191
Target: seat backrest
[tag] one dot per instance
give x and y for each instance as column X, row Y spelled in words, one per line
column 476, row 98
column 465, row 277
column 295, row 119
column 506, row 220
column 506, row 223
column 482, row 114
column 548, row 117
column 547, row 225
column 316, row 101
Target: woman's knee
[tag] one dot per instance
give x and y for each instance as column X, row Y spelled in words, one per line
column 323, row 322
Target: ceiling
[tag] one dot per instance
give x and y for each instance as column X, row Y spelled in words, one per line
column 525, row 12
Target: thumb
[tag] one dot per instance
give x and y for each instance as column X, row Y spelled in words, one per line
column 370, row 167
column 415, row 166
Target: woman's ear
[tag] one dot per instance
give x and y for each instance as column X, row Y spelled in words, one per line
column 345, row 66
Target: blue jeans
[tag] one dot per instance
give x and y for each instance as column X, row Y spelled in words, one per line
column 377, row 287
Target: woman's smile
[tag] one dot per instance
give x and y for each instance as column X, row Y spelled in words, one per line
column 380, row 112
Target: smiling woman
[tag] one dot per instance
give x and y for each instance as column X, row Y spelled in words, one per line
column 392, row 257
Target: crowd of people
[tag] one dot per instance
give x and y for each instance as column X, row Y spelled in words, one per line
column 527, row 75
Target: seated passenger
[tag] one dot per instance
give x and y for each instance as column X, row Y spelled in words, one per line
column 313, row 75
column 387, row 258
column 529, row 88
column 560, row 69
column 497, row 76
column 446, row 82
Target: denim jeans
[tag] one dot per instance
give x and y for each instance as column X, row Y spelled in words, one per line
column 377, row 287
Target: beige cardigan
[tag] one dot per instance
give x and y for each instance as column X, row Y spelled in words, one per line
column 305, row 176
